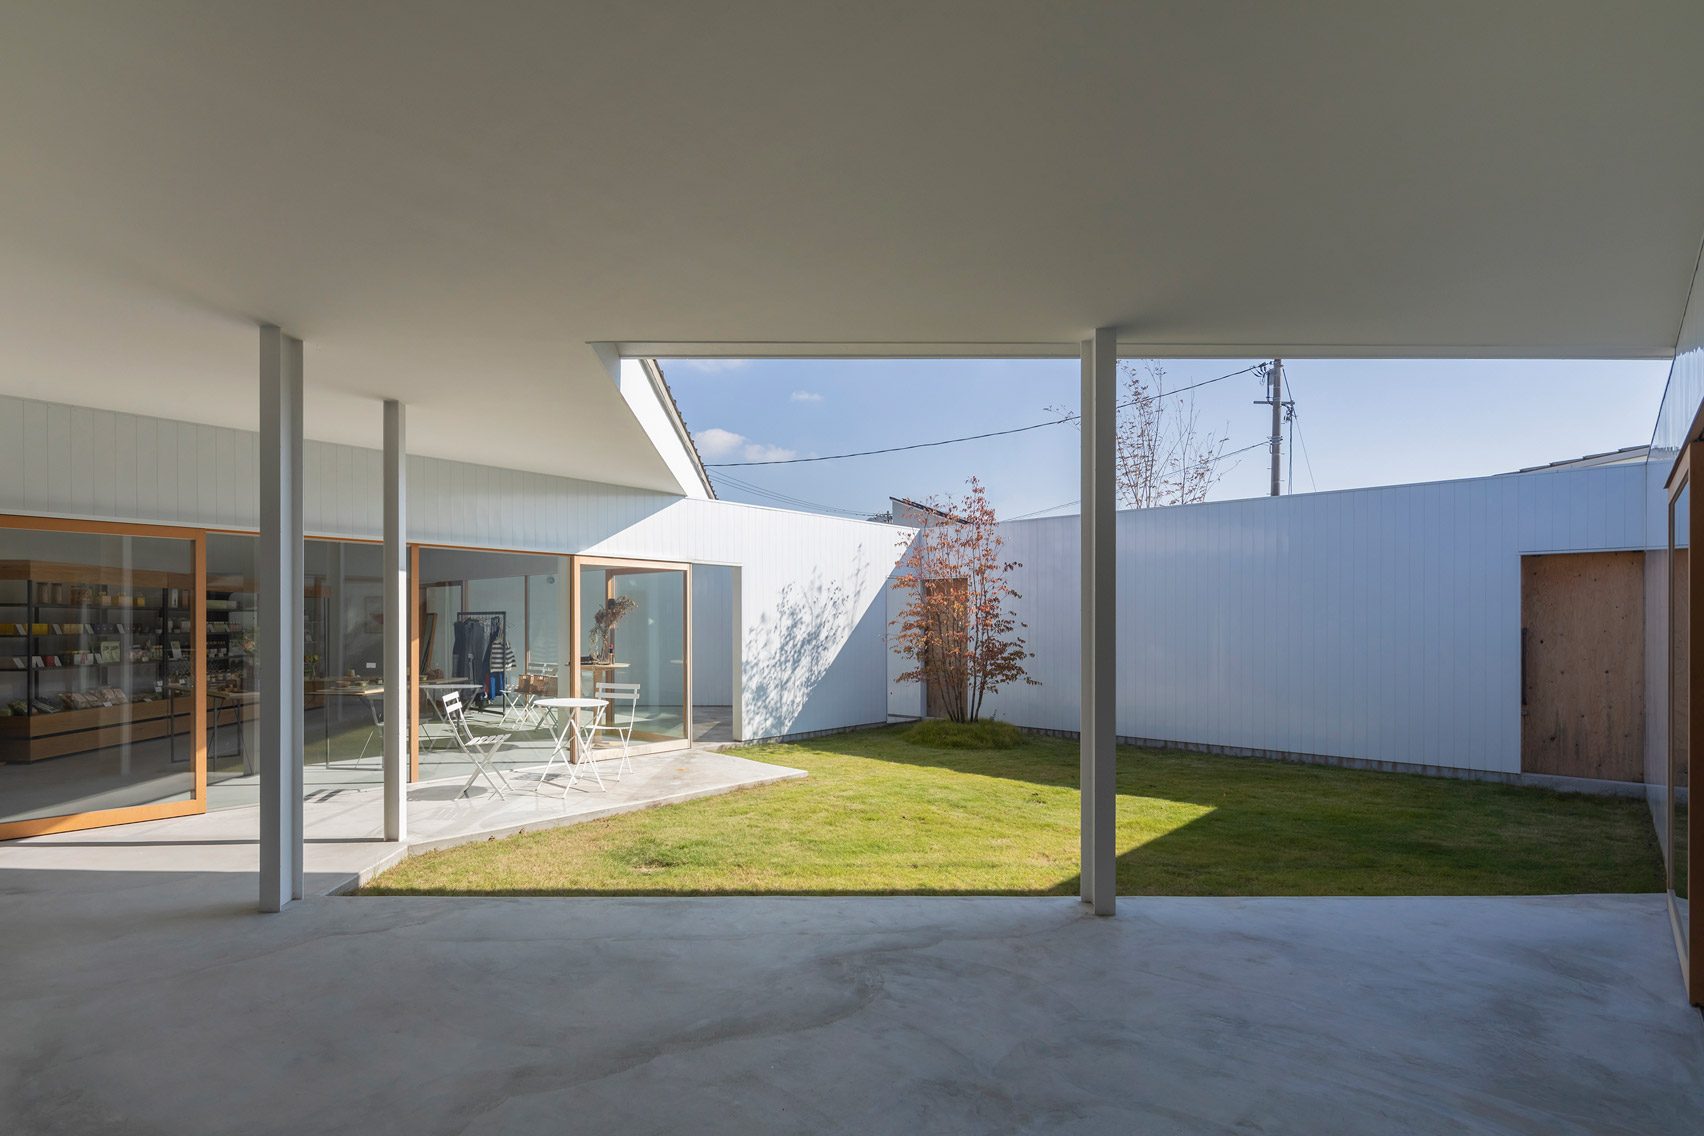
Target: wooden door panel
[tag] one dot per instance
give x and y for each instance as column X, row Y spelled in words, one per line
column 1583, row 665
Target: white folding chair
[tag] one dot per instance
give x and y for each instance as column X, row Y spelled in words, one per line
column 477, row 747
column 570, row 731
column 518, row 708
column 620, row 696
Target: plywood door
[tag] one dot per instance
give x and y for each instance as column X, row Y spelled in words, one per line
column 1583, row 665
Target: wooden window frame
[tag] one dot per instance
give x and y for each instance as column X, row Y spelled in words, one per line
column 196, row 804
column 577, row 632
column 197, row 536
column 1689, row 938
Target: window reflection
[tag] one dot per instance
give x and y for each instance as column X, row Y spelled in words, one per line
column 1680, row 700
column 633, row 634
column 492, row 628
column 97, row 674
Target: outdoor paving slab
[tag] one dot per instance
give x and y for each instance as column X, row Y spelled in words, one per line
column 344, row 828
column 156, row 1002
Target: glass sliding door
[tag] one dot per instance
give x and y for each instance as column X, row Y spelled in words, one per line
column 633, row 621
column 343, row 663
column 490, row 630
column 342, row 666
column 102, row 688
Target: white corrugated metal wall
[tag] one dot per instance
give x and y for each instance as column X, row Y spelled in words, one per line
column 813, row 652
column 1380, row 624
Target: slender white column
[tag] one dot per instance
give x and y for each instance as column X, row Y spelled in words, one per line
column 1099, row 555
column 278, row 654
column 397, row 661
column 736, row 712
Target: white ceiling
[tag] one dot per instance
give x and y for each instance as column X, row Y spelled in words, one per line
column 449, row 202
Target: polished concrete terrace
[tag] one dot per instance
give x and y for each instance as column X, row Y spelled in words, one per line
column 344, row 824
column 155, row 1000
column 144, row 994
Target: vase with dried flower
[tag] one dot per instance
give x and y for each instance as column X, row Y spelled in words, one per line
column 613, row 611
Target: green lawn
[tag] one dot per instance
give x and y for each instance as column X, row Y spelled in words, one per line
column 880, row 815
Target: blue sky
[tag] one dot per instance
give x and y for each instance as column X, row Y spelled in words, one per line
column 1361, row 422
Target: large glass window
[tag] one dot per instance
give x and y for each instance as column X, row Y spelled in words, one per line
column 492, row 626
column 342, row 666
column 633, row 645
column 97, row 674
column 232, row 607
column 343, row 661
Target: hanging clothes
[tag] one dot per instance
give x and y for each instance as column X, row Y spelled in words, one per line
column 478, row 652
column 460, row 664
column 480, row 635
column 499, row 660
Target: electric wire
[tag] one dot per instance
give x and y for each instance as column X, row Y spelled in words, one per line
column 1299, row 439
column 968, row 437
column 788, row 499
column 1049, row 509
column 1079, row 500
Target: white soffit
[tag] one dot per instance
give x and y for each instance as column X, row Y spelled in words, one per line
column 451, row 202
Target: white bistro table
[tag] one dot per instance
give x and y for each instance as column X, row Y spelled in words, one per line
column 571, row 735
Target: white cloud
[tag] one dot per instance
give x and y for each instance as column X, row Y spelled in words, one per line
column 758, row 452
column 717, row 444
column 711, row 364
column 806, row 396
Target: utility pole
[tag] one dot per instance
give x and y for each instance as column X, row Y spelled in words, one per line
column 1275, row 399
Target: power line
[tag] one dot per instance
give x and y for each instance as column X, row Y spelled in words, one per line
column 1246, row 449
column 789, row 499
column 967, row 437
column 890, row 449
column 786, row 501
column 1049, row 509
column 1079, row 500
column 1301, row 441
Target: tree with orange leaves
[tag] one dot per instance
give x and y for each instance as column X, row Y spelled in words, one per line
column 957, row 626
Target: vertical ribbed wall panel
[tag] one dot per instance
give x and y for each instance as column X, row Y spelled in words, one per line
column 1376, row 623
column 812, row 586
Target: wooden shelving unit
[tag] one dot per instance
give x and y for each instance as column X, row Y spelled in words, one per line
column 69, row 613
column 232, row 613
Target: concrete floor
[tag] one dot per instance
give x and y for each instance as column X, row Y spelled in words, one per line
column 344, row 825
column 154, row 1002
column 349, row 759
column 142, row 994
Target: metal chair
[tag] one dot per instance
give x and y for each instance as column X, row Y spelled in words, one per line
column 518, row 708
column 615, row 693
column 477, row 747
